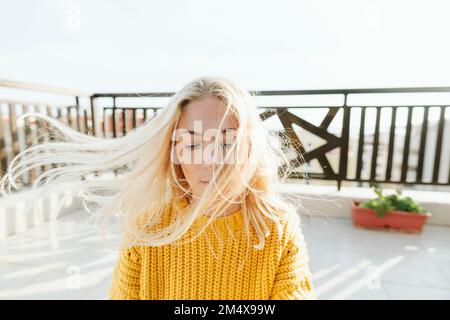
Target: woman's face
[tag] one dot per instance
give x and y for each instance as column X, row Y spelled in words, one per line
column 196, row 131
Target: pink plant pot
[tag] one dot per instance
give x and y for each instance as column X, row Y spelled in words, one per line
column 392, row 220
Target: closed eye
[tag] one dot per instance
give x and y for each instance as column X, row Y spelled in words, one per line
column 192, row 146
column 227, row 145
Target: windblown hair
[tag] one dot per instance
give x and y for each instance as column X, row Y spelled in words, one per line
column 153, row 179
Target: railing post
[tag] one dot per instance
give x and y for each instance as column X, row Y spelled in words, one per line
column 343, row 157
column 93, row 116
column 114, row 118
column 77, row 108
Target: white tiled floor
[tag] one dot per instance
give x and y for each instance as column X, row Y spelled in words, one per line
column 66, row 259
column 353, row 263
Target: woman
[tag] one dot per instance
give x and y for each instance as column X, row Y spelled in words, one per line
column 200, row 209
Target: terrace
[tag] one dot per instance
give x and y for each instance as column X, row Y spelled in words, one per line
column 345, row 139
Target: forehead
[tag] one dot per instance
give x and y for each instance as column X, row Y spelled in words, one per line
column 208, row 113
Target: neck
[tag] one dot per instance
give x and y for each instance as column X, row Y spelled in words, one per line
column 231, row 208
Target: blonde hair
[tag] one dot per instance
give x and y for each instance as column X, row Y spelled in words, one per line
column 152, row 180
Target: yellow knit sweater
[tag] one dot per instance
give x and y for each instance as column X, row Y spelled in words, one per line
column 279, row 271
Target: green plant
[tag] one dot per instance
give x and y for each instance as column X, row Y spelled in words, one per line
column 393, row 202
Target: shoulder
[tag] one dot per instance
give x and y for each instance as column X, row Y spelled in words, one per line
column 152, row 219
column 291, row 228
column 155, row 215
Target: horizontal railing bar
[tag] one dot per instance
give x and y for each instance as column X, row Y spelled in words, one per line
column 131, row 108
column 399, row 182
column 312, row 107
column 355, row 91
column 313, row 175
column 288, row 92
column 399, row 106
column 133, row 95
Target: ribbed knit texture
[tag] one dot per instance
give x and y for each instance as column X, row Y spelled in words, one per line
column 190, row 271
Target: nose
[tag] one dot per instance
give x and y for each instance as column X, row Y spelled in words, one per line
column 208, row 155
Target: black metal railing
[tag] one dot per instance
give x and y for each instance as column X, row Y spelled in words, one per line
column 358, row 143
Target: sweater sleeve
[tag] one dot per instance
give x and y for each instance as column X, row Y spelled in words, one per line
column 293, row 280
column 126, row 275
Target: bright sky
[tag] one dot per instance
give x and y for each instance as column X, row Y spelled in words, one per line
column 132, row 45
